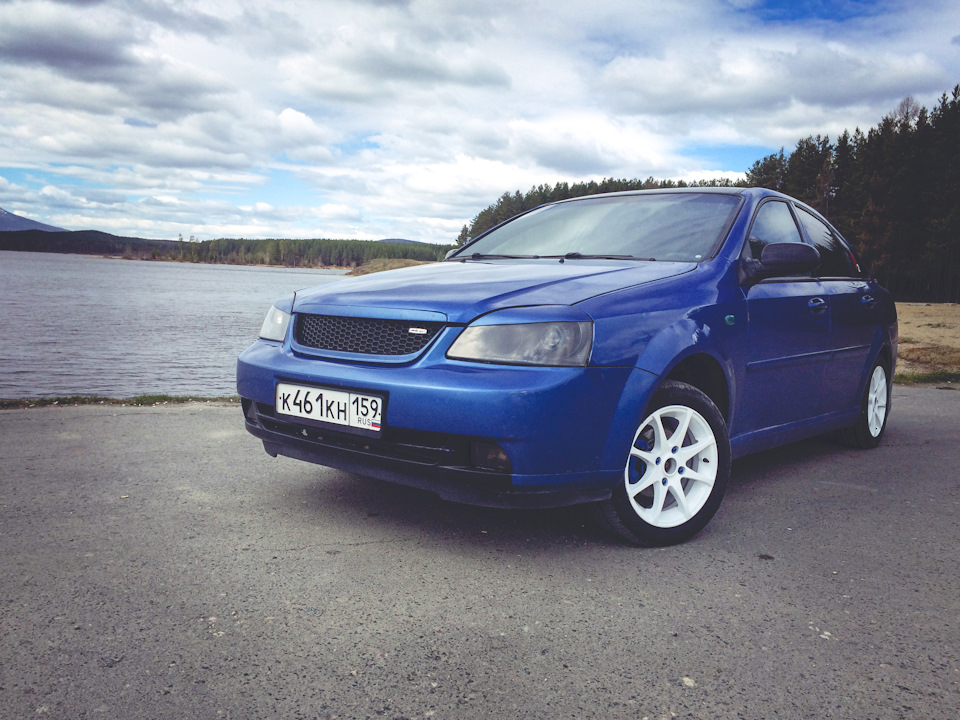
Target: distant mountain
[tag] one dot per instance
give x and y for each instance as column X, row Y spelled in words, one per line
column 399, row 241
column 10, row 223
column 88, row 242
column 311, row 252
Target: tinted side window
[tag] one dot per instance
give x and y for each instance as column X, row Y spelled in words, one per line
column 834, row 258
column 773, row 224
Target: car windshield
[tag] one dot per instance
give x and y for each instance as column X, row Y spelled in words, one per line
column 665, row 226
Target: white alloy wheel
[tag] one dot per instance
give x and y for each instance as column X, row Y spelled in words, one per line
column 877, row 401
column 672, row 466
column 871, row 423
column 676, row 470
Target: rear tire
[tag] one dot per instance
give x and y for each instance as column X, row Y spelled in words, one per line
column 675, row 473
column 867, row 432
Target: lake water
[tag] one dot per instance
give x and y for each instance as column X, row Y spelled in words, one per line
column 78, row 325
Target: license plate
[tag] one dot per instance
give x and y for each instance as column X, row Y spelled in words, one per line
column 351, row 409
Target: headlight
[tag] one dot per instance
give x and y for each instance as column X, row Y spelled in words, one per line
column 564, row 344
column 275, row 325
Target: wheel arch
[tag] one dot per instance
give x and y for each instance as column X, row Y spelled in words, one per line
column 704, row 372
column 700, row 370
column 885, row 356
column 687, row 351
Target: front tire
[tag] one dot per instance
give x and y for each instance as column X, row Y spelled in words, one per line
column 867, row 432
column 676, row 470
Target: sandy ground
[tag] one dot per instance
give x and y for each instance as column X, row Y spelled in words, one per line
column 929, row 337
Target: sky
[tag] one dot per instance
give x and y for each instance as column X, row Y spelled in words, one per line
column 373, row 119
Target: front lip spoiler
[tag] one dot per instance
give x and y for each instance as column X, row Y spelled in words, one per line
column 456, row 484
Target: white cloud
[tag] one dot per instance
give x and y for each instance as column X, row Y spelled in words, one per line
column 337, row 211
column 355, row 119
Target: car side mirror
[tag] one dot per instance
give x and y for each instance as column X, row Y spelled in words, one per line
column 449, row 253
column 781, row 259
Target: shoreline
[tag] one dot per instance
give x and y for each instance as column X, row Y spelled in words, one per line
column 344, row 268
column 371, row 266
column 148, row 400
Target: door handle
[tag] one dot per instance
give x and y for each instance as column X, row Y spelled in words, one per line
column 817, row 305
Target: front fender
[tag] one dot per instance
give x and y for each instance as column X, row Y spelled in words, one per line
column 710, row 333
column 665, row 352
column 634, row 399
column 671, row 345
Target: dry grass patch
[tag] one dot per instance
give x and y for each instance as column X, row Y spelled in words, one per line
column 929, row 339
column 381, row 264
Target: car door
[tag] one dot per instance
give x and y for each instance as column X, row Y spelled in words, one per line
column 789, row 333
column 853, row 314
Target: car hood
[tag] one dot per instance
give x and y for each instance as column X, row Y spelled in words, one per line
column 462, row 291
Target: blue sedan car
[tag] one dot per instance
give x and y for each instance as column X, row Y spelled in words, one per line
column 614, row 349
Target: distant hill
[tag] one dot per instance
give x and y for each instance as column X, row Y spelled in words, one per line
column 399, row 241
column 10, row 222
column 89, row 242
column 315, row 252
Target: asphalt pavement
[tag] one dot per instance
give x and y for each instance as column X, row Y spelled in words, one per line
column 156, row 563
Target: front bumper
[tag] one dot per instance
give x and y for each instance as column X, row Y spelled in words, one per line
column 441, row 466
column 560, row 427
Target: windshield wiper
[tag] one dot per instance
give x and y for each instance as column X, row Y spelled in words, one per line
column 482, row 256
column 581, row 256
column 569, row 256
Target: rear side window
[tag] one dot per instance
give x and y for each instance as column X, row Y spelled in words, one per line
column 835, row 260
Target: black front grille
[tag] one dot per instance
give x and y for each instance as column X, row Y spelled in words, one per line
column 365, row 336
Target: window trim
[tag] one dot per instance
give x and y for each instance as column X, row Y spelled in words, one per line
column 746, row 252
column 853, row 264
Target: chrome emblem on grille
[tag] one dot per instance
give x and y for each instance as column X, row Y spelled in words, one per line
column 417, row 331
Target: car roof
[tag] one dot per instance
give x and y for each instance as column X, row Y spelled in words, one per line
column 755, row 192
